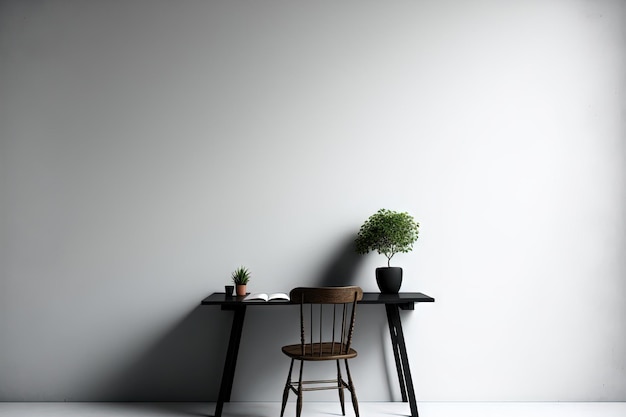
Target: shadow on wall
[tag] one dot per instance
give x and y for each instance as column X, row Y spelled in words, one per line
column 342, row 265
column 185, row 364
column 341, row 269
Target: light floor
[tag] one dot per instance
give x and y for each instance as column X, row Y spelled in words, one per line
column 313, row 409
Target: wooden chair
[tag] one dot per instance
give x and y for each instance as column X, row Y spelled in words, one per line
column 327, row 317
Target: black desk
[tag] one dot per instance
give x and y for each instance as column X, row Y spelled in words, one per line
column 393, row 303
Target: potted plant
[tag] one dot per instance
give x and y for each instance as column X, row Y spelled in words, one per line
column 240, row 278
column 387, row 232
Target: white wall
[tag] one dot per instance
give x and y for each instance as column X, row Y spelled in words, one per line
column 148, row 148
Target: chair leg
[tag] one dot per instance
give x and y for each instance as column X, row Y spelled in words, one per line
column 299, row 402
column 355, row 403
column 286, row 390
column 340, row 389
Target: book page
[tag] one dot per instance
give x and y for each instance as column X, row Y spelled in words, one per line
column 257, row 297
column 261, row 296
column 279, row 296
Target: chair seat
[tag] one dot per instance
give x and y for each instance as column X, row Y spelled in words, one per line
column 330, row 351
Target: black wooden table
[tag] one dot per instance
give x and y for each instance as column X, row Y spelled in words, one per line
column 393, row 304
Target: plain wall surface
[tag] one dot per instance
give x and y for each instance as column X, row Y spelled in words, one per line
column 148, row 148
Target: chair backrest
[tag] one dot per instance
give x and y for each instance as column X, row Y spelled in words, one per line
column 329, row 317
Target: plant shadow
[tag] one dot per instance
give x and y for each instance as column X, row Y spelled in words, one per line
column 342, row 266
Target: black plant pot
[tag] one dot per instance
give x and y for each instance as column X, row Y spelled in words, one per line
column 389, row 279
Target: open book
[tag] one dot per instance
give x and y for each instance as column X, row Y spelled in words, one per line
column 267, row 297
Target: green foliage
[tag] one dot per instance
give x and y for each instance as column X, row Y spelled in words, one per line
column 388, row 233
column 241, row 276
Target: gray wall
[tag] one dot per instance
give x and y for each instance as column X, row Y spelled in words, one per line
column 148, row 148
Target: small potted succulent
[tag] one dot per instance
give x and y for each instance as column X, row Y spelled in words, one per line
column 388, row 232
column 240, row 278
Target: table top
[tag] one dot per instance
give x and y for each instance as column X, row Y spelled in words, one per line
column 405, row 300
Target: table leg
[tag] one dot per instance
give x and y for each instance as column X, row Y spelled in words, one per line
column 396, row 352
column 228, row 375
column 401, row 357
